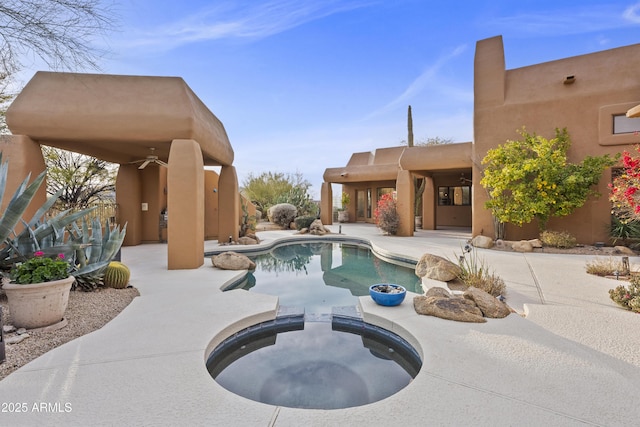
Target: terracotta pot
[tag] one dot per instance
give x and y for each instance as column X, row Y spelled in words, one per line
column 39, row 304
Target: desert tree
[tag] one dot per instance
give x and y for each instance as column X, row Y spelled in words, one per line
column 531, row 178
column 61, row 33
column 83, row 180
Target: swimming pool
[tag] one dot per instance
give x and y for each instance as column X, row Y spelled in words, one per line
column 318, row 353
column 317, row 276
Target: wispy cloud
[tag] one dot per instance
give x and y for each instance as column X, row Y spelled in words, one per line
column 632, row 13
column 565, row 21
column 419, row 84
column 248, row 20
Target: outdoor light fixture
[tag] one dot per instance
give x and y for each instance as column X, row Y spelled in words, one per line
column 569, row 80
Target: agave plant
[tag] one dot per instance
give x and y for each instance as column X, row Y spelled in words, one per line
column 93, row 250
column 18, row 203
column 87, row 249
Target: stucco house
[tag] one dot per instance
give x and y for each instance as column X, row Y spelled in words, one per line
column 589, row 95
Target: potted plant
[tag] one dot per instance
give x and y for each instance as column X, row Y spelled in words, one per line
column 38, row 293
column 343, row 213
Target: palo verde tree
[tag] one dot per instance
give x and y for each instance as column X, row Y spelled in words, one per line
column 531, row 179
column 271, row 188
column 84, row 180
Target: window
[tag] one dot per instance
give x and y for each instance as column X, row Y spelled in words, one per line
column 454, row 196
column 624, row 124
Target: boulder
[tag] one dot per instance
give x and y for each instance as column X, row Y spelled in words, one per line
column 489, row 305
column 438, row 292
column 522, row 246
column 450, row 308
column 246, row 240
column 481, row 241
column 232, row 261
column 318, row 229
column 437, row 268
column 536, row 243
column 623, row 250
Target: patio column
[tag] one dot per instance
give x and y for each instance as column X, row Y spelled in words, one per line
column 404, row 202
column 185, row 200
column 228, row 205
column 326, row 203
column 428, row 205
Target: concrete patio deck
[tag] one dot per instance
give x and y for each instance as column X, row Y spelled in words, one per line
column 573, row 360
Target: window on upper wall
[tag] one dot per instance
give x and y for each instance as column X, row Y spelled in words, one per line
column 454, row 196
column 624, row 124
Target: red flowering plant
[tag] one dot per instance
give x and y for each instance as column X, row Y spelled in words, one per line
column 625, row 188
column 386, row 214
column 40, row 269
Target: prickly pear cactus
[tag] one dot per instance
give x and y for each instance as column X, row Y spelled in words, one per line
column 117, row 275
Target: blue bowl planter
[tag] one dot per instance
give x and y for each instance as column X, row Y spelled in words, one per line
column 387, row 294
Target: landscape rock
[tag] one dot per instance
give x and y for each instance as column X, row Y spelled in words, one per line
column 318, row 229
column 232, row 261
column 16, row 339
column 438, row 292
column 449, row 308
column 437, row 268
column 536, row 243
column 522, row 246
column 481, row 241
column 8, row 328
column 489, row 305
column 623, row 250
column 246, row 240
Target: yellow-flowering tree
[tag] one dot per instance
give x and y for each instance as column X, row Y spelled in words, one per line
column 531, row 179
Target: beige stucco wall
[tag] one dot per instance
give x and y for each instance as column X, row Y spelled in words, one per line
column 536, row 97
column 24, row 157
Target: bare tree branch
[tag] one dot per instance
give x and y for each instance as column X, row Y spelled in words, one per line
column 60, row 32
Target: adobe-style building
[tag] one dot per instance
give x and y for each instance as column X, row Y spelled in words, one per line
column 125, row 119
column 590, row 95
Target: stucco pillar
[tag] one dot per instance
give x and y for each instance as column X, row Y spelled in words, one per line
column 405, row 200
column 326, row 203
column 185, row 200
column 428, row 205
column 129, row 199
column 24, row 157
column 211, row 205
column 229, row 203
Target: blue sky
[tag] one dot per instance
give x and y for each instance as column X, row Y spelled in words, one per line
column 302, row 84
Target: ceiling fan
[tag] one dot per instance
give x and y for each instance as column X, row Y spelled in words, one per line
column 151, row 158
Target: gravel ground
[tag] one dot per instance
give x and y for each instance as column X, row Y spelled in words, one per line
column 86, row 312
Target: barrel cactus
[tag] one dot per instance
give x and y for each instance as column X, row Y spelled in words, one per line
column 117, row 275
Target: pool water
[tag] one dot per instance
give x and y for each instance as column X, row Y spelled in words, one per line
column 319, row 276
column 324, row 366
column 326, row 356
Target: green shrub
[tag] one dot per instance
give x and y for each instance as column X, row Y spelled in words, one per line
column 628, row 298
column 283, row 214
column 304, row 222
column 558, row 239
column 604, row 267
